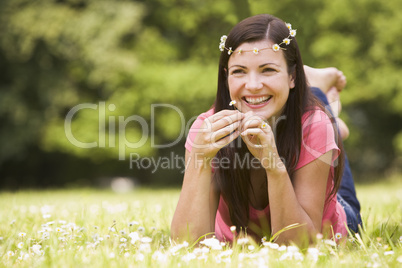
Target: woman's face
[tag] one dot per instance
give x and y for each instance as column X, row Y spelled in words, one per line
column 259, row 82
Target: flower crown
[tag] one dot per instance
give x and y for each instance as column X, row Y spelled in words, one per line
column 275, row 47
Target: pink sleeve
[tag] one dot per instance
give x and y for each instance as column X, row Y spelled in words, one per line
column 318, row 138
column 196, row 128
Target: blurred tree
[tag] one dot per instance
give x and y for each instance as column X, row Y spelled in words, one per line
column 364, row 45
column 56, row 54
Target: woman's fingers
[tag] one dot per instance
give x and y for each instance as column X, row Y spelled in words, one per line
column 251, row 120
column 225, row 119
column 225, row 131
column 255, row 137
column 217, row 131
column 228, row 139
column 222, row 114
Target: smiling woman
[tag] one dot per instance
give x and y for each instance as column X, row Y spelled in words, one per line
column 267, row 156
column 259, row 82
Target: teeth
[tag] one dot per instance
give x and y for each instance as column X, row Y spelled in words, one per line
column 256, row 100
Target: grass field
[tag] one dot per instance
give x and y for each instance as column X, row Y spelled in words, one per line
column 93, row 228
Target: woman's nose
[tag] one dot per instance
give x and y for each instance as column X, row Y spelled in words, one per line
column 253, row 82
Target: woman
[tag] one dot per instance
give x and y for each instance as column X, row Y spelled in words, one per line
column 266, row 156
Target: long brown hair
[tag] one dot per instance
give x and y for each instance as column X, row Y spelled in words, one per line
column 234, row 182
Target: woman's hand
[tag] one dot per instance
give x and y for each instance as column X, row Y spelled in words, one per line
column 216, row 132
column 260, row 140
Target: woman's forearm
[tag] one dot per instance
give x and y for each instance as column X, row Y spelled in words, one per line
column 196, row 209
column 286, row 210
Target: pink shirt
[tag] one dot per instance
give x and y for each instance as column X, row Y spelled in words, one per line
column 318, row 138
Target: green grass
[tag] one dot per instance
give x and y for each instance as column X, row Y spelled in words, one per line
column 91, row 228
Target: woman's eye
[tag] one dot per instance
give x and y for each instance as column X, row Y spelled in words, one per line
column 238, row 71
column 268, row 70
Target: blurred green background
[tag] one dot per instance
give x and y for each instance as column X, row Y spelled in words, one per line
column 125, row 56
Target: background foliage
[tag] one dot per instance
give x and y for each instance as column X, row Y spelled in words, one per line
column 127, row 55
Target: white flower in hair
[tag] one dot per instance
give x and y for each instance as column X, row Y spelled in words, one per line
column 289, row 26
column 292, row 33
column 286, row 41
column 230, row 51
column 222, row 46
column 233, row 102
column 275, row 47
column 223, row 38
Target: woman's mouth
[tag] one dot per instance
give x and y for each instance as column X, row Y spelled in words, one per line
column 256, row 100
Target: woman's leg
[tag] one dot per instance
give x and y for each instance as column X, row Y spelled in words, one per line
column 331, row 82
column 351, row 218
column 347, row 189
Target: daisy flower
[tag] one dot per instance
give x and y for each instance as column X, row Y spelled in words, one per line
column 286, row 41
column 36, row 249
column 233, row 102
column 222, row 46
column 338, row 236
column 289, row 26
column 275, row 47
column 22, row 234
column 20, row 245
column 255, row 51
column 223, row 38
column 292, row 33
column 230, row 51
column 212, row 243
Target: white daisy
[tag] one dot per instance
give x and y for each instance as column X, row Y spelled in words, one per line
column 275, row 47
column 338, row 236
